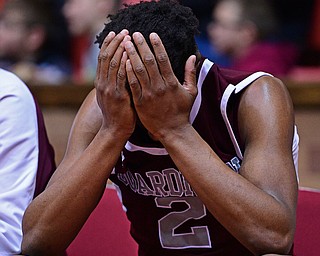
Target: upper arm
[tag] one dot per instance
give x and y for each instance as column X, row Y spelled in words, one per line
column 266, row 121
column 84, row 128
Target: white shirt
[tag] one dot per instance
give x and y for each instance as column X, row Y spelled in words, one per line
column 18, row 158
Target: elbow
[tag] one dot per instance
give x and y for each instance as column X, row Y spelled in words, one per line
column 32, row 244
column 273, row 243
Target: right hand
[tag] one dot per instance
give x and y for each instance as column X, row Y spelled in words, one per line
column 113, row 97
column 162, row 103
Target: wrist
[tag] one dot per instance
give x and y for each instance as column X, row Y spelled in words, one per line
column 169, row 136
column 113, row 135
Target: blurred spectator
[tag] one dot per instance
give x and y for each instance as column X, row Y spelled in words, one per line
column 245, row 30
column 85, row 19
column 26, row 158
column 32, row 41
column 203, row 11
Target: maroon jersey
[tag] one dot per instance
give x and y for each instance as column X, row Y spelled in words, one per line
column 167, row 217
column 46, row 161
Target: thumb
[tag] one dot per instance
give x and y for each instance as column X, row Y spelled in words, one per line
column 190, row 80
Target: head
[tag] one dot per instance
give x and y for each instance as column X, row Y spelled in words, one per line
column 86, row 17
column 237, row 24
column 175, row 24
column 23, row 28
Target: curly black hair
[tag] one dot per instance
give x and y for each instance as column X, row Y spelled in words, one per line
column 175, row 24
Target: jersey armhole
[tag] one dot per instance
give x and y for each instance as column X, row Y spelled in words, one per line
column 224, row 104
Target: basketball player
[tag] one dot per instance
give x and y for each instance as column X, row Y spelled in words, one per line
column 204, row 157
column 26, row 158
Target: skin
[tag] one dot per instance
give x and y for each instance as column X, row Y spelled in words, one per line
column 16, row 40
column 262, row 199
column 228, row 34
column 87, row 16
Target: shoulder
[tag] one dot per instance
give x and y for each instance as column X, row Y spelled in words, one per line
column 11, row 86
column 265, row 108
column 211, row 73
column 16, row 100
column 267, row 89
column 9, row 78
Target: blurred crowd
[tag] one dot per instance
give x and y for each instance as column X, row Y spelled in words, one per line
column 52, row 41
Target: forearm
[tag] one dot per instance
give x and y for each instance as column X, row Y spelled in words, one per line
column 250, row 214
column 55, row 217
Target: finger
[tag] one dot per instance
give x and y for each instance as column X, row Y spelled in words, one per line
column 190, row 77
column 115, row 62
column 133, row 83
column 163, row 60
column 106, row 42
column 107, row 52
column 122, row 77
column 137, row 65
column 147, row 56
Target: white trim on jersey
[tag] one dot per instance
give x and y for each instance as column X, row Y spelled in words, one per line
column 224, row 103
column 152, row 151
column 223, row 107
column 295, row 150
column 206, row 66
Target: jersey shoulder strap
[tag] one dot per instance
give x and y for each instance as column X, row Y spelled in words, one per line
column 224, row 104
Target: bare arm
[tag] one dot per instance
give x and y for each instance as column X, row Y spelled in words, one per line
column 99, row 132
column 257, row 206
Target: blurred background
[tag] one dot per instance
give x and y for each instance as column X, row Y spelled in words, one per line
column 50, row 45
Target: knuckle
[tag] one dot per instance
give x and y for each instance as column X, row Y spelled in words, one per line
column 162, row 58
column 133, row 82
column 160, row 91
column 156, row 43
column 103, row 56
column 149, row 60
column 106, row 41
column 132, row 51
column 100, row 89
column 139, row 69
column 171, row 81
column 121, row 75
column 100, row 85
column 148, row 96
column 113, row 63
column 140, row 42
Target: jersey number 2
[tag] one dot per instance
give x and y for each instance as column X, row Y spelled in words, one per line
column 198, row 237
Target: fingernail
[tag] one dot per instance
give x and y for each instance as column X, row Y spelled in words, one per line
column 137, row 35
column 126, row 38
column 124, row 32
column 128, row 44
column 110, row 33
column 153, row 36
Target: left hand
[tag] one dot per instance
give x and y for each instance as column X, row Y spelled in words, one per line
column 161, row 102
column 113, row 98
